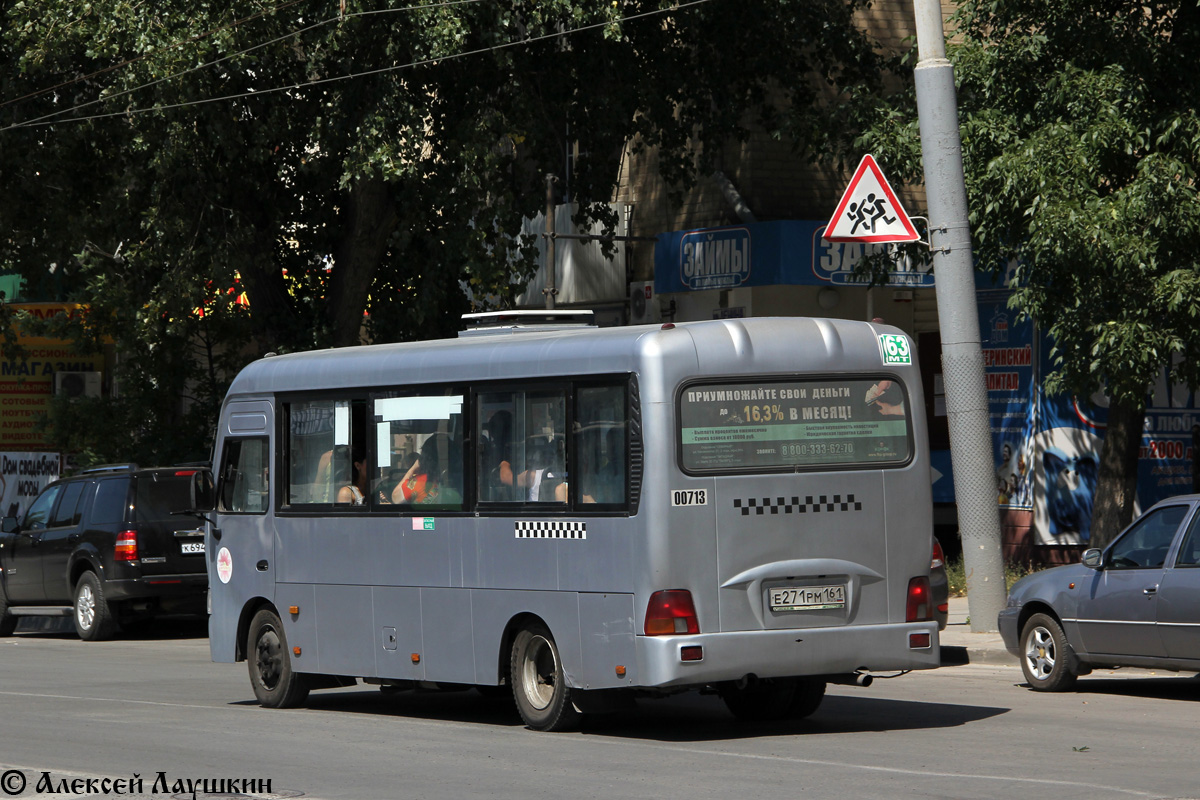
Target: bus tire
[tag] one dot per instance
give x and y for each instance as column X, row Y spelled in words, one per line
column 275, row 684
column 1045, row 655
column 763, row 700
column 538, row 682
column 93, row 619
column 809, row 692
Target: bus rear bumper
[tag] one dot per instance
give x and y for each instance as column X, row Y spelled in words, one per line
column 784, row 653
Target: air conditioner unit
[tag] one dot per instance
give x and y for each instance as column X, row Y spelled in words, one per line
column 77, row 384
column 643, row 305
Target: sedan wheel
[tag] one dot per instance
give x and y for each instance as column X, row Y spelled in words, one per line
column 1045, row 657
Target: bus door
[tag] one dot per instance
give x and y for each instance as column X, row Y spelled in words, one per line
column 800, row 502
column 240, row 546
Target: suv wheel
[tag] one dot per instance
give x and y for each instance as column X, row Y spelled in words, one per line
column 93, row 620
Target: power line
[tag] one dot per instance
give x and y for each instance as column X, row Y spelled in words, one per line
column 42, row 119
column 40, row 122
column 146, row 55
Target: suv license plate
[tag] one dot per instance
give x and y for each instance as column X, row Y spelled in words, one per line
column 188, row 548
column 807, row 598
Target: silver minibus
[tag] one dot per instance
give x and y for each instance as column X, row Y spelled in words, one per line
column 579, row 515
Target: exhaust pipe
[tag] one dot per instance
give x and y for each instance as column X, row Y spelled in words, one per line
column 854, row 679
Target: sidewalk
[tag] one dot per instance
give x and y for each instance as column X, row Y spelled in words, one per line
column 962, row 646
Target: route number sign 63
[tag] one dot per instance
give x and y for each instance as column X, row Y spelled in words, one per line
column 894, row 348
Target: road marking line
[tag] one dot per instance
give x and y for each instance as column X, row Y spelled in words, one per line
column 106, row 700
column 902, row 771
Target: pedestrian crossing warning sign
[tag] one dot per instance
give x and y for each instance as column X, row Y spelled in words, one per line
column 869, row 210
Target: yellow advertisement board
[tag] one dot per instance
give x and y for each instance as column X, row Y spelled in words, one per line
column 27, row 384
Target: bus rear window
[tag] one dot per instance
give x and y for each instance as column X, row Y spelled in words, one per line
column 779, row 425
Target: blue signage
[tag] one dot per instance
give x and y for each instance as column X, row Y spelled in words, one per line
column 785, row 252
column 715, row 259
column 834, row 262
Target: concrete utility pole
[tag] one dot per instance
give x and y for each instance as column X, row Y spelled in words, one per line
column 550, row 291
column 962, row 359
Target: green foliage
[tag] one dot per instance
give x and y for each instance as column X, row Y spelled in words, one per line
column 370, row 158
column 1081, row 143
column 956, row 574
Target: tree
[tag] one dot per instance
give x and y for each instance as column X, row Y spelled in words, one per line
column 1081, row 143
column 362, row 160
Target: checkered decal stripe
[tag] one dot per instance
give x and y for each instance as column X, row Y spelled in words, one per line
column 792, row 505
column 551, row 530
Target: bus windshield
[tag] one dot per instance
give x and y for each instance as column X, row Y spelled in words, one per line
column 772, row 425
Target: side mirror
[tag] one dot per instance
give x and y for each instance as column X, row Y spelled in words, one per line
column 203, row 494
column 9, row 525
column 1093, row 558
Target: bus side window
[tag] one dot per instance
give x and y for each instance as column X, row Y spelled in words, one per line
column 243, row 477
column 522, row 451
column 419, row 452
column 324, row 439
column 599, row 446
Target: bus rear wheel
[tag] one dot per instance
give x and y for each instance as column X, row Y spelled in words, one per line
column 539, row 683
column 275, row 684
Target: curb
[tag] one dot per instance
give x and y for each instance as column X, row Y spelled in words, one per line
column 958, row 655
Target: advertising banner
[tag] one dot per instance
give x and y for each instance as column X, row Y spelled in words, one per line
column 26, row 385
column 1012, row 410
column 794, row 424
column 22, row 478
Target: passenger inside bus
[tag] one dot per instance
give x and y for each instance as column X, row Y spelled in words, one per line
column 421, row 479
column 355, row 490
column 426, row 481
column 546, row 474
column 401, row 464
column 495, row 459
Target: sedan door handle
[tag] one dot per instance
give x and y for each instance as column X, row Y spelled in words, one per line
column 1150, row 591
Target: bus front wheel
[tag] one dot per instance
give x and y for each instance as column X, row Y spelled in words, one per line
column 275, row 684
column 539, row 683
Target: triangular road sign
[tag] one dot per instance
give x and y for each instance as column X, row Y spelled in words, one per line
column 869, row 210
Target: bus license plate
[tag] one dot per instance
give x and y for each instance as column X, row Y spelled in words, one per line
column 188, row 548
column 807, row 598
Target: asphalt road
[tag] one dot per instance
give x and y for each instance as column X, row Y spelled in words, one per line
column 155, row 704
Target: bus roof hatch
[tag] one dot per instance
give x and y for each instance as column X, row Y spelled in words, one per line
column 525, row 320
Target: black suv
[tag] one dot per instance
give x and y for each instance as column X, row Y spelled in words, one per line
column 105, row 547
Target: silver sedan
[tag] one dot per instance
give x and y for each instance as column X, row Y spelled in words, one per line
column 1134, row 604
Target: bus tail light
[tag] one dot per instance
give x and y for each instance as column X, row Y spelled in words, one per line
column 126, row 549
column 670, row 612
column 918, row 609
